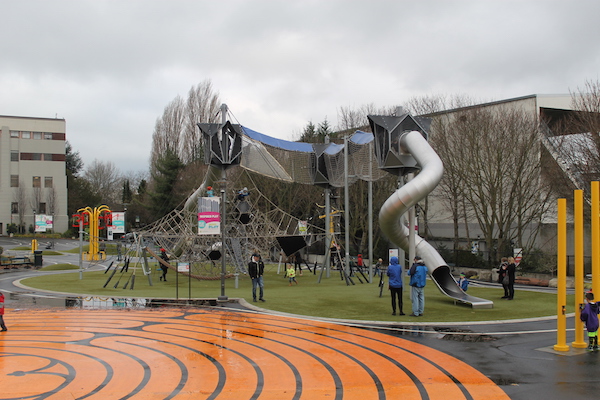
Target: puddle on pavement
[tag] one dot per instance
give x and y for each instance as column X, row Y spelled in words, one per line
column 29, row 300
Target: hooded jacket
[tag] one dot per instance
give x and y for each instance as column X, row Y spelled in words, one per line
column 589, row 315
column 418, row 274
column 394, row 272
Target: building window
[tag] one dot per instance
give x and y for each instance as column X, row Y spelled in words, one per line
column 14, row 208
column 48, row 181
column 37, row 181
column 14, row 155
column 14, row 134
column 36, row 156
column 37, row 135
column 42, row 208
column 25, row 135
column 47, row 136
column 14, row 181
column 48, row 157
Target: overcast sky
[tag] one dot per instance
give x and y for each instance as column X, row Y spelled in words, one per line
column 110, row 67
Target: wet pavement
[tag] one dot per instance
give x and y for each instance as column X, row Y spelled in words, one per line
column 100, row 348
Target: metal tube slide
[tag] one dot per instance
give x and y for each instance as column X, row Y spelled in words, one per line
column 390, row 216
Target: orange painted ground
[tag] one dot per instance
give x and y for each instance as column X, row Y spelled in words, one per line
column 216, row 354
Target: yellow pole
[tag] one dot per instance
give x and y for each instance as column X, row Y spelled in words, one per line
column 561, row 297
column 579, row 251
column 595, row 237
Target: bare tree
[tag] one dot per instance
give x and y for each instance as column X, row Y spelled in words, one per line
column 202, row 105
column 36, row 199
column 580, row 142
column 492, row 158
column 52, row 201
column 105, row 181
column 168, row 131
column 20, row 197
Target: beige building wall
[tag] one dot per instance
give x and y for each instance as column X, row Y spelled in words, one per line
column 33, row 149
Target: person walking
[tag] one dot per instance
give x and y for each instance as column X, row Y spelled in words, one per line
column 418, row 278
column 394, row 272
column 378, row 267
column 511, row 270
column 2, row 324
column 256, row 269
column 291, row 274
column 164, row 256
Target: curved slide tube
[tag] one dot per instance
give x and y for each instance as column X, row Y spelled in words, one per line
column 212, row 176
column 407, row 196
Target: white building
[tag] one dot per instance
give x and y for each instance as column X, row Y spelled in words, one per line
column 32, row 171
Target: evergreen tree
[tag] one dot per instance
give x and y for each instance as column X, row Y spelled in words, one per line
column 163, row 198
column 323, row 131
column 127, row 194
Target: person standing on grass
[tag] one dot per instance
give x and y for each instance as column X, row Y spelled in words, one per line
column 394, row 272
column 502, row 273
column 256, row 269
column 164, row 268
column 463, row 282
column 2, row 325
column 418, row 278
column 378, row 267
column 291, row 274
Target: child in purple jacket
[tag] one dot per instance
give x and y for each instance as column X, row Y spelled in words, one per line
column 589, row 315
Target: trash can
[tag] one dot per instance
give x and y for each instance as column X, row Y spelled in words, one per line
column 37, row 258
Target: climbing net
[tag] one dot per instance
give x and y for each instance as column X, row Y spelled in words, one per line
column 252, row 225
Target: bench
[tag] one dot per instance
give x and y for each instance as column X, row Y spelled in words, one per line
column 15, row 262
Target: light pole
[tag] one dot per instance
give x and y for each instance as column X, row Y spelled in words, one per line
column 223, row 297
column 33, row 242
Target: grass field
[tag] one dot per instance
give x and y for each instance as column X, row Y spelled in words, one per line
column 330, row 298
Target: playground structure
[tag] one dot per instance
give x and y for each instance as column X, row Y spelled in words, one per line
column 399, row 146
column 92, row 217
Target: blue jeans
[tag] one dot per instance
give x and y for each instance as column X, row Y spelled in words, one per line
column 418, row 300
column 257, row 282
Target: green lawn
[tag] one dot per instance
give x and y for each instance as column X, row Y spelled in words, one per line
column 331, row 298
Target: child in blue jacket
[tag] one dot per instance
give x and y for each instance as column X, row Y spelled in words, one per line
column 589, row 315
column 463, row 282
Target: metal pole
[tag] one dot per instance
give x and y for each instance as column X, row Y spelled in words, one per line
column 222, row 297
column 226, row 160
column 328, row 225
column 411, row 229
column 346, row 207
column 579, row 270
column 561, row 296
column 595, row 199
column 328, row 230
column 370, row 205
column 81, row 247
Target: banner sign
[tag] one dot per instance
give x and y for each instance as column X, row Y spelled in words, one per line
column 183, row 267
column 518, row 255
column 118, row 222
column 209, row 216
column 303, row 227
column 43, row 222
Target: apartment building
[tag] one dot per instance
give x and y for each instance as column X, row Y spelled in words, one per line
column 33, row 177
